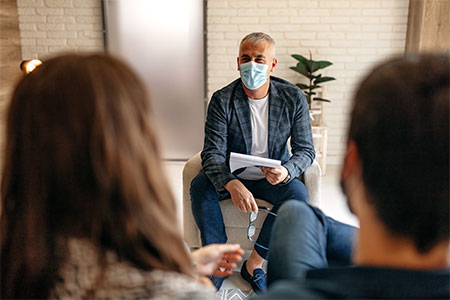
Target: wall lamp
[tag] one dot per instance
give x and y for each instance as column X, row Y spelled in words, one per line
column 27, row 66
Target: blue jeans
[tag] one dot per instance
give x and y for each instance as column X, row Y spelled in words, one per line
column 208, row 215
column 304, row 238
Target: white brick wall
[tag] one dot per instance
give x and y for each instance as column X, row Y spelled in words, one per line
column 353, row 34
column 50, row 26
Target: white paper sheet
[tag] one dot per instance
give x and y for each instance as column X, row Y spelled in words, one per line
column 238, row 160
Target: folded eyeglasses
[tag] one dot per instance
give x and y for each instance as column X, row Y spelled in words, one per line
column 251, row 230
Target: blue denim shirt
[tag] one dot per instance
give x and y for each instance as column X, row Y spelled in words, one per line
column 228, row 129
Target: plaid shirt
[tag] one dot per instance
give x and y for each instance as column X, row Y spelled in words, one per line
column 228, row 129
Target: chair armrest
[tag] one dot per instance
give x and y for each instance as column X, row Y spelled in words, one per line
column 313, row 181
column 191, row 169
column 190, row 231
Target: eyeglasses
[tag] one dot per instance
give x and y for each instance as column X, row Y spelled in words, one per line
column 252, row 228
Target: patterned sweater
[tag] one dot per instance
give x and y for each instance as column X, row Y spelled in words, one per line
column 79, row 279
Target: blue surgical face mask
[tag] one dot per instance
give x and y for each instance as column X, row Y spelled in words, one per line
column 253, row 75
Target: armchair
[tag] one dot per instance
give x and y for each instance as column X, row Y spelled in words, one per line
column 236, row 222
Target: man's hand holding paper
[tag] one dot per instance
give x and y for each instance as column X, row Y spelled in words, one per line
column 274, row 172
column 239, row 160
column 275, row 175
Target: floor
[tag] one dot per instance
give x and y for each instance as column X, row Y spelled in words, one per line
column 333, row 203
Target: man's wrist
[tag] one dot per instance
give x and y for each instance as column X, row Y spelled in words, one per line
column 229, row 184
column 287, row 178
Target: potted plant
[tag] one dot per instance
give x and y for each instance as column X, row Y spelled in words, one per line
column 308, row 68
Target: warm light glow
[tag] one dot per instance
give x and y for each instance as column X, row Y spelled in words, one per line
column 28, row 66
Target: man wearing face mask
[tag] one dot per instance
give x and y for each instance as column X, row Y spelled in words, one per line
column 255, row 114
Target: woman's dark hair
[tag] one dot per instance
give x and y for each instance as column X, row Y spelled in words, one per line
column 400, row 124
column 81, row 160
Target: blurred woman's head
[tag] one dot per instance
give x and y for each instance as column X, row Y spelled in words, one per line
column 81, row 160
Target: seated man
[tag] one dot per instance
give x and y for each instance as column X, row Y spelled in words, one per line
column 256, row 115
column 396, row 179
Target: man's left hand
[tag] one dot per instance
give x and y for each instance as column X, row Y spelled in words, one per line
column 275, row 176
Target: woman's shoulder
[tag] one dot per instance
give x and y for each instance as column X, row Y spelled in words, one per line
column 83, row 277
column 158, row 284
column 173, row 285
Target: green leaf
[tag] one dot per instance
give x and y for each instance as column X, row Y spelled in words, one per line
column 308, row 67
column 324, row 79
column 299, row 57
column 323, row 64
column 321, row 99
column 310, row 93
column 296, row 70
column 302, row 86
column 314, row 66
column 300, row 68
column 313, row 87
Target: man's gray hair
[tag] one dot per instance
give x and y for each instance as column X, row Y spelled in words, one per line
column 257, row 37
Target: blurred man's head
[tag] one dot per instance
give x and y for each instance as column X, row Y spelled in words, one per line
column 400, row 131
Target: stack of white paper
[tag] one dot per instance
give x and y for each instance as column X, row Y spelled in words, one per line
column 238, row 160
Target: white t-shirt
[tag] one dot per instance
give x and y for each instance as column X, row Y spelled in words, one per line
column 259, row 115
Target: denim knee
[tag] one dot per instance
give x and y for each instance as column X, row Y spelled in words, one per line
column 298, row 191
column 201, row 188
column 298, row 242
column 298, row 210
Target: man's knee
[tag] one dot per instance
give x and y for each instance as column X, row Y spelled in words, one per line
column 296, row 211
column 297, row 190
column 200, row 187
column 199, row 181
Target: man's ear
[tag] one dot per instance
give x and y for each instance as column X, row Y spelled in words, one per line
column 238, row 65
column 352, row 161
column 351, row 175
column 274, row 64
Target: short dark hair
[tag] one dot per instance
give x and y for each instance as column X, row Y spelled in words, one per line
column 400, row 124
